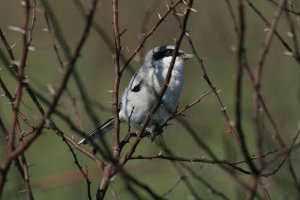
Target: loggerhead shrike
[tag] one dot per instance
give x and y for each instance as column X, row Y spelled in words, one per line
column 143, row 91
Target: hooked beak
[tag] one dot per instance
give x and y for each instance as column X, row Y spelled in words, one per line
column 187, row 56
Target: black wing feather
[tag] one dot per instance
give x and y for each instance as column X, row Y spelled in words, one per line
column 137, row 87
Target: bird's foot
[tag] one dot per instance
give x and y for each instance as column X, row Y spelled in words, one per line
column 153, row 132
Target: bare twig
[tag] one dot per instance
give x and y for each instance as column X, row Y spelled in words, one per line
column 285, row 8
column 58, row 93
column 129, row 178
column 179, row 112
column 196, row 160
column 17, row 98
column 267, row 43
column 56, row 33
column 165, row 86
column 115, row 95
column 112, row 169
column 238, row 99
column 152, row 30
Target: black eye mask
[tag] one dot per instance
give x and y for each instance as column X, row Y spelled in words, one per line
column 166, row 53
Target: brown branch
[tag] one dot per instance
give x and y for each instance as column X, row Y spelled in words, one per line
column 295, row 54
column 56, row 33
column 186, row 181
column 206, row 148
column 61, row 64
column 66, row 118
column 173, row 187
column 76, row 161
column 207, row 79
column 232, row 16
column 239, row 85
column 115, row 94
column 14, row 68
column 258, row 77
column 29, row 194
column 165, row 86
column 17, row 98
column 293, row 32
column 60, row 90
column 71, row 141
column 22, row 168
column 287, row 153
column 199, row 160
column 152, row 30
column 28, row 36
column 104, row 36
column 145, row 21
column 267, row 42
column 18, row 92
column 179, row 112
column 285, row 8
column 129, row 178
column 209, row 186
column 112, row 169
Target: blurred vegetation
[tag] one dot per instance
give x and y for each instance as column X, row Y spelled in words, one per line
column 53, row 173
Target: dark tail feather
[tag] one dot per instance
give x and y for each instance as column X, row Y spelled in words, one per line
column 104, row 128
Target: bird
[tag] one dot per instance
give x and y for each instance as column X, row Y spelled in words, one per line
column 143, row 91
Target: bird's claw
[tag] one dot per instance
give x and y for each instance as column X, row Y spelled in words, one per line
column 152, row 133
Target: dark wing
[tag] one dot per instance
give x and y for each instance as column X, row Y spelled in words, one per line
column 138, row 80
column 137, row 88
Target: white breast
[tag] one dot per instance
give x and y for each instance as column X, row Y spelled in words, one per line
column 136, row 105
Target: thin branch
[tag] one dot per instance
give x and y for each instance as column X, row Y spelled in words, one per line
column 267, row 42
column 129, row 178
column 115, row 94
column 198, row 160
column 165, row 86
column 152, row 30
column 232, row 16
column 60, row 90
column 112, row 169
column 239, row 85
column 206, row 77
column 56, row 31
column 29, row 194
column 17, row 98
column 179, row 112
column 295, row 55
column 84, row 173
column 285, row 8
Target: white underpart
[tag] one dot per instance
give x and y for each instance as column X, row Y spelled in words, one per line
column 136, row 105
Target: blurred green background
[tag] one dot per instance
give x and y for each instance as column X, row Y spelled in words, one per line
column 53, row 172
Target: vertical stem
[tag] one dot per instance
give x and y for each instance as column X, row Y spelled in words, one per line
column 268, row 39
column 17, row 99
column 258, row 77
column 115, row 97
column 164, row 88
column 239, row 84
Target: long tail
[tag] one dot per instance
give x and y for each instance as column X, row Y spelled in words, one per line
column 104, row 128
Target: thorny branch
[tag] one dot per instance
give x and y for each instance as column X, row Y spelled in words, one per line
column 115, row 97
column 165, row 86
column 12, row 154
column 112, row 169
column 16, row 103
column 56, row 34
column 257, row 166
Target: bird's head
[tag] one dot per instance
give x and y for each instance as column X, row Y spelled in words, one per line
column 162, row 56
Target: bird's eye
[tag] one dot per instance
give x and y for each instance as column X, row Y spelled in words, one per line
column 169, row 52
column 162, row 54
